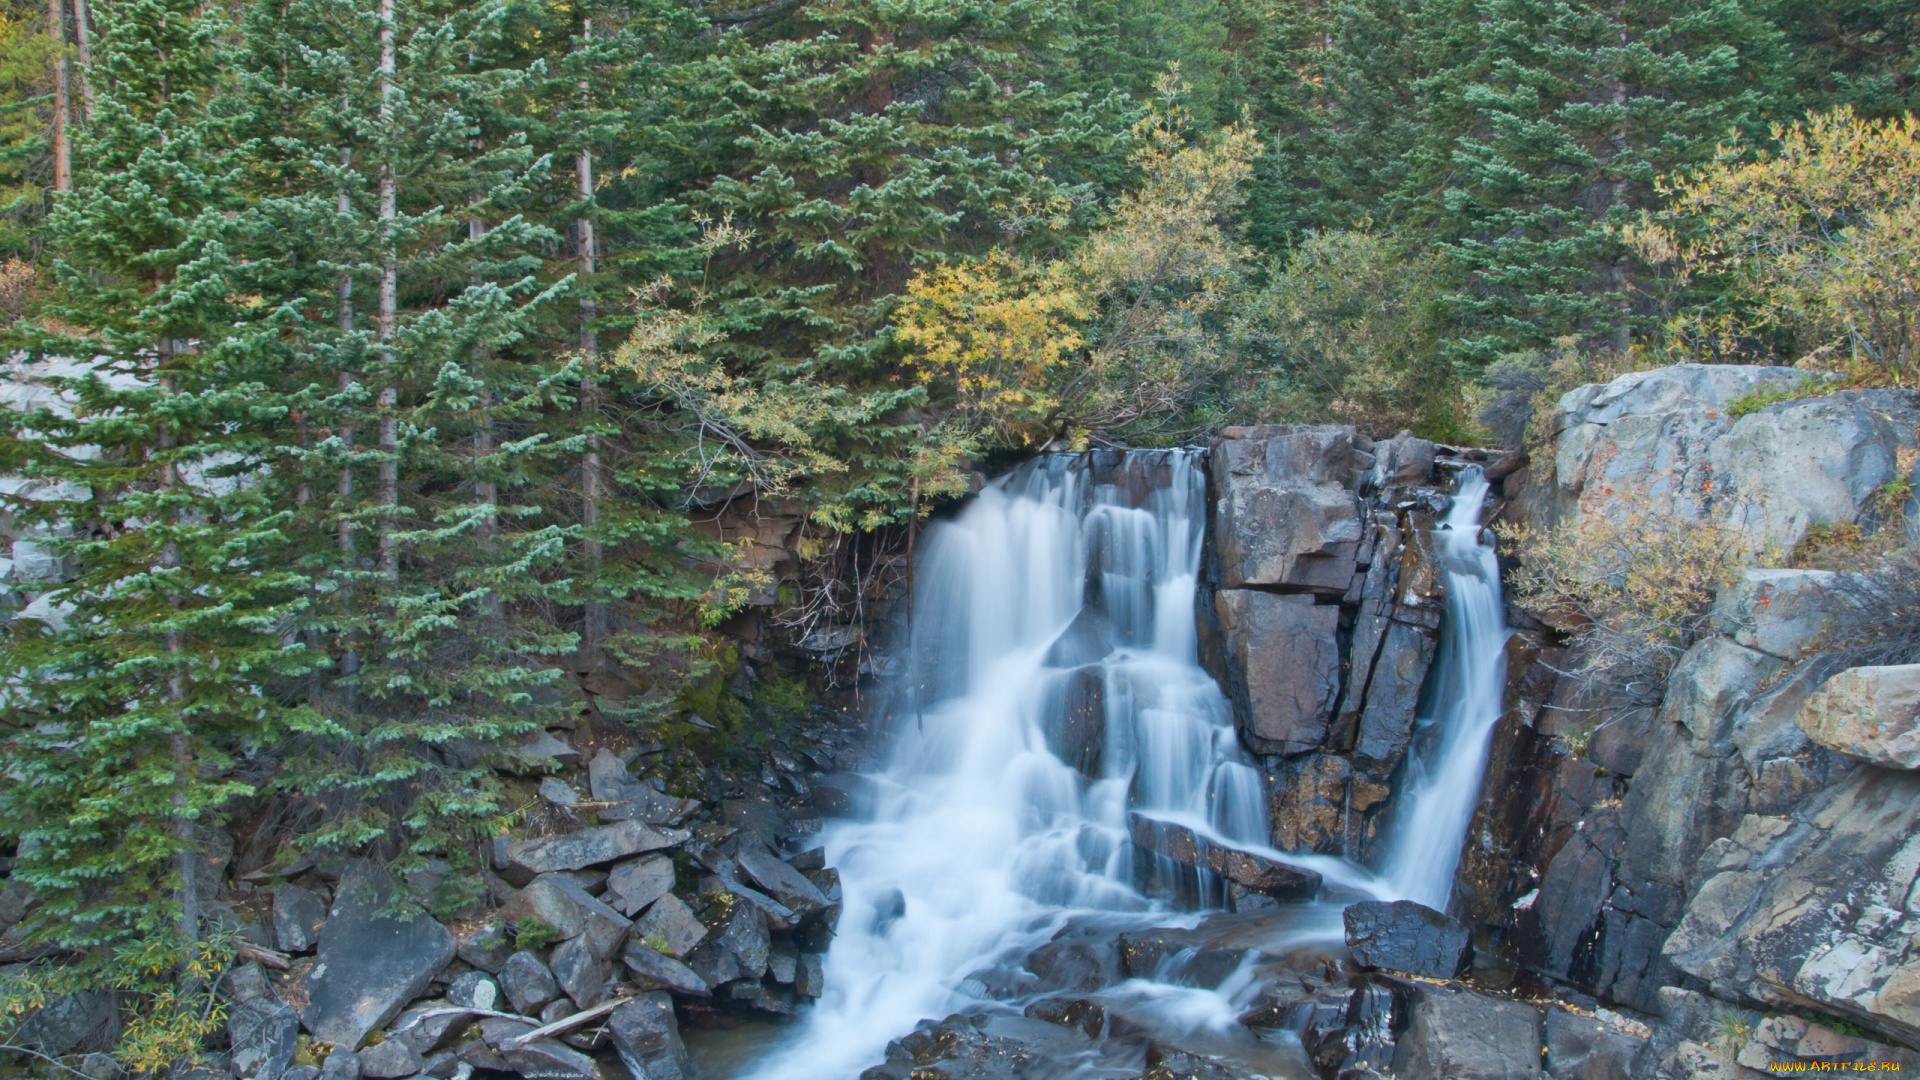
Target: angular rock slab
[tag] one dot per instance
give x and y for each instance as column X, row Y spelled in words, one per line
column 1283, row 668
column 1457, row 1034
column 631, row 886
column 647, row 1036
column 1287, row 514
column 1401, row 935
column 371, row 962
column 1256, row 872
column 1781, row 612
column 1868, row 713
column 297, row 918
column 589, row 847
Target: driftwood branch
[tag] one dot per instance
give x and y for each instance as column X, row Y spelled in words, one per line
column 563, row 1024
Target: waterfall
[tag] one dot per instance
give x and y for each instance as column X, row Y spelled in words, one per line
column 1064, row 590
column 1439, row 794
column 1052, row 687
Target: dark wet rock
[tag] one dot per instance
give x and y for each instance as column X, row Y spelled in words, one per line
column 390, row 1060
column 1584, row 1048
column 1456, row 1034
column 1283, row 668
column 714, row 965
column 1404, row 936
column 78, row 1021
column 841, row 794
column 744, row 937
column 1391, row 695
column 486, row 947
column 377, row 952
column 587, row 847
column 1076, row 731
column 580, row 974
column 474, row 989
column 670, row 926
column 297, row 918
column 1287, row 515
column 1086, row 640
column 631, row 886
column 787, row 885
column 1179, row 956
column 1348, row 1032
column 1321, row 805
column 527, row 982
column 783, row 962
column 1166, row 1062
column 809, row 976
column 1082, row 960
column 1090, row 1017
column 762, row 996
column 647, row 1036
column 653, row 970
column 955, row 1049
column 1260, row 874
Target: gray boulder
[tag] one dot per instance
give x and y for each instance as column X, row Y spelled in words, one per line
column 1404, row 936
column 263, row 1032
column 486, row 947
column 632, row 885
column 744, row 937
column 390, row 1060
column 474, row 990
column 647, row 1036
column 654, row 970
column 427, row 1033
column 341, row 1064
column 670, row 927
column 588, row 847
column 1586, row 1048
column 527, row 983
column 297, row 917
column 81, row 1020
column 543, row 1059
column 579, row 973
column 809, row 977
column 561, row 904
column 1784, row 613
column 1456, row 1034
column 378, row 951
column 786, row 884
column 1868, row 713
column 1283, row 665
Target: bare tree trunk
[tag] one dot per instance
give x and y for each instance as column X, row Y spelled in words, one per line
column 349, row 658
column 389, row 284
column 485, row 488
column 62, row 154
column 186, row 861
column 595, row 616
column 81, row 36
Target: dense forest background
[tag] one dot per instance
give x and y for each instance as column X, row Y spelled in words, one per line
column 372, row 357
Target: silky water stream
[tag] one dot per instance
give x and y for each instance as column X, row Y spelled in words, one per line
column 1052, row 686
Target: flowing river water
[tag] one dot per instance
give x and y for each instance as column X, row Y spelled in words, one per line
column 1057, row 587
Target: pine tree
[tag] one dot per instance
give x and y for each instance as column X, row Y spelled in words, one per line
column 148, row 681
column 1547, row 123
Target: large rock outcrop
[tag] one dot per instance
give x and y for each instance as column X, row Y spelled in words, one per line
column 1324, row 615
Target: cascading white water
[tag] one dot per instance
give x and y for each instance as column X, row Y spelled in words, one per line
column 1437, row 799
column 982, row 841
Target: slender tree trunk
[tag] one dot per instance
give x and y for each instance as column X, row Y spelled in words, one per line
column 186, row 861
column 81, row 35
column 349, row 658
column 595, row 616
column 62, row 154
column 389, row 284
column 484, row 487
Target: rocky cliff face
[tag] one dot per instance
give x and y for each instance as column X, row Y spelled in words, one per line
column 1324, row 615
column 1752, row 838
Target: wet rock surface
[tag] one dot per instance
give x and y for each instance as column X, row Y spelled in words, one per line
column 1255, row 872
column 1406, row 937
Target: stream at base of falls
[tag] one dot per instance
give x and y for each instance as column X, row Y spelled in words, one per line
column 1049, row 687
